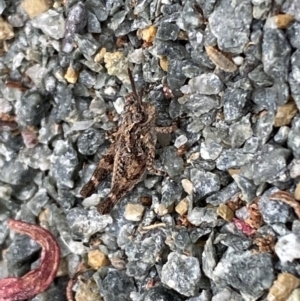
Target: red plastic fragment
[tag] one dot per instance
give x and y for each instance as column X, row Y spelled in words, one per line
column 37, row 280
column 244, row 227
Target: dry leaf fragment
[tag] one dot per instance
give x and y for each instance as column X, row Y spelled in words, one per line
column 266, row 244
column 287, row 198
column 7, row 122
column 37, row 280
column 255, row 220
column 220, row 59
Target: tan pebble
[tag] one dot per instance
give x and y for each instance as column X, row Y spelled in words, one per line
column 281, row 21
column 134, row 212
column 233, row 171
column 295, row 295
column 285, row 114
column 182, row 207
column 100, row 55
column 187, row 186
column 225, row 212
column 36, row 7
column 63, row 268
column 163, row 62
column 182, row 35
column 87, row 291
column 6, row 30
column 97, row 259
column 297, row 192
column 71, row 75
column 193, row 157
column 116, row 64
column 118, row 263
column 163, row 210
column 220, row 59
column 147, row 34
column 282, row 287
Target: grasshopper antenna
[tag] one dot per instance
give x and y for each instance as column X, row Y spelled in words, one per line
column 136, row 96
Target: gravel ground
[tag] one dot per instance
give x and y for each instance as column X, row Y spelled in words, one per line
column 226, row 227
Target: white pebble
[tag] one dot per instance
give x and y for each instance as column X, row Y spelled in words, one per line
column 287, row 247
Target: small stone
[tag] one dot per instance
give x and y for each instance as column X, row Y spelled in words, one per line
column 147, row 34
column 287, row 247
column 180, row 141
column 167, row 31
column 84, row 223
column 134, row 212
column 94, row 25
column 163, row 62
column 281, row 21
column 71, row 75
column 233, row 158
column 51, row 23
column 159, row 293
column 249, row 273
column 204, row 182
column 223, row 195
column 208, row 84
column 206, row 215
column 182, row 207
column 282, row 287
column 276, row 53
column 116, row 64
column 64, row 163
column 89, row 141
column 115, row 286
column 295, row 295
column 285, row 114
column 87, row 291
column 282, row 135
column 35, row 7
column 97, row 259
column 225, row 212
column 240, row 131
column 29, row 136
column 294, row 168
column 293, row 33
column 163, row 210
column 187, row 186
column 210, row 149
column 182, row 273
column 230, row 24
column 6, row 30
column 172, row 162
column 238, row 60
column 100, row 55
column 297, row 192
column 2, row 6
column 234, row 103
column 273, row 211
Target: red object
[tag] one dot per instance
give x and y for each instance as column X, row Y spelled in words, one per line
column 37, row 280
column 244, row 227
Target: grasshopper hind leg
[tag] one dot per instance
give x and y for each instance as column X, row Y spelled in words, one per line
column 103, row 169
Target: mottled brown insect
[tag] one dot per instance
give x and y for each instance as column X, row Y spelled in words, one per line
column 131, row 152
